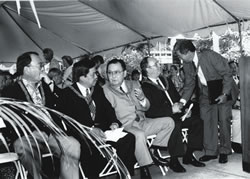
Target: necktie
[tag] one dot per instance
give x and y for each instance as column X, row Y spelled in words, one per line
column 197, row 89
column 166, row 92
column 122, row 90
column 91, row 104
column 200, row 74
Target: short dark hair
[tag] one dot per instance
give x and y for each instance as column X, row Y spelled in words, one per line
column 54, row 72
column 173, row 66
column 115, row 61
column 233, row 62
column 183, row 46
column 144, row 65
column 68, row 59
column 23, row 61
column 49, row 53
column 98, row 59
column 81, row 68
column 135, row 72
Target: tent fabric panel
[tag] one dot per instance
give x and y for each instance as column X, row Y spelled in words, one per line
column 13, row 40
column 161, row 17
column 46, row 39
column 80, row 24
column 239, row 8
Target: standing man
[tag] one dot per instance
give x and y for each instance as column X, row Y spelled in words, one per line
column 50, row 61
column 85, row 101
column 32, row 89
column 129, row 102
column 210, row 67
column 164, row 99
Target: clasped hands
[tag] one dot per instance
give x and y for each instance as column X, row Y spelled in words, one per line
column 97, row 131
column 177, row 108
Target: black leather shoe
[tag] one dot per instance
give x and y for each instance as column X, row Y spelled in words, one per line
column 223, row 158
column 176, row 166
column 237, row 148
column 145, row 174
column 193, row 161
column 206, row 158
column 157, row 159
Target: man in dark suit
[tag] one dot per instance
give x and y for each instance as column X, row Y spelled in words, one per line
column 32, row 89
column 210, row 67
column 85, row 101
column 163, row 98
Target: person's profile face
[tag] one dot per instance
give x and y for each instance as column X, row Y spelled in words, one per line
column 33, row 70
column 187, row 57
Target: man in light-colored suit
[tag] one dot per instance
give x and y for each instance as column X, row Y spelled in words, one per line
column 209, row 66
column 129, row 102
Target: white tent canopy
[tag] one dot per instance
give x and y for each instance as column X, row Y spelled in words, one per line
column 77, row 27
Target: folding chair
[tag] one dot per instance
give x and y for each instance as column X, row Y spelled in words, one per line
column 110, row 167
column 184, row 132
column 12, row 157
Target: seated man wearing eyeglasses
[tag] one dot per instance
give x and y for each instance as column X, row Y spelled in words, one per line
column 129, row 102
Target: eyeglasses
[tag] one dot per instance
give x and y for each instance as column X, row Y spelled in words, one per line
column 157, row 64
column 40, row 66
column 114, row 73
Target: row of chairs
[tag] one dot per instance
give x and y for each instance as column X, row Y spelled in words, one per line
column 109, row 168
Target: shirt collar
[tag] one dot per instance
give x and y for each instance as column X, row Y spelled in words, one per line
column 30, row 84
column 154, row 80
column 195, row 59
column 82, row 89
column 124, row 87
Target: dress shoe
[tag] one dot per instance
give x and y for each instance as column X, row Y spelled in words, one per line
column 237, row 148
column 158, row 160
column 206, row 158
column 145, row 174
column 223, row 158
column 193, row 161
column 176, row 166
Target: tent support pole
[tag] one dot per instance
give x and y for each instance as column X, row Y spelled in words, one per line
column 238, row 22
column 148, row 41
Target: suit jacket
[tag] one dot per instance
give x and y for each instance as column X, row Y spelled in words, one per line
column 18, row 91
column 160, row 106
column 214, row 67
column 126, row 107
column 76, row 107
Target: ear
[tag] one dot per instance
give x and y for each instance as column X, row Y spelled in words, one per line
column 25, row 69
column 125, row 73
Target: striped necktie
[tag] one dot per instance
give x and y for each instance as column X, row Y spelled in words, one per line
column 91, row 104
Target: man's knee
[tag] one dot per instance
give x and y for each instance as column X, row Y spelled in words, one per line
column 168, row 122
column 139, row 135
column 72, row 147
